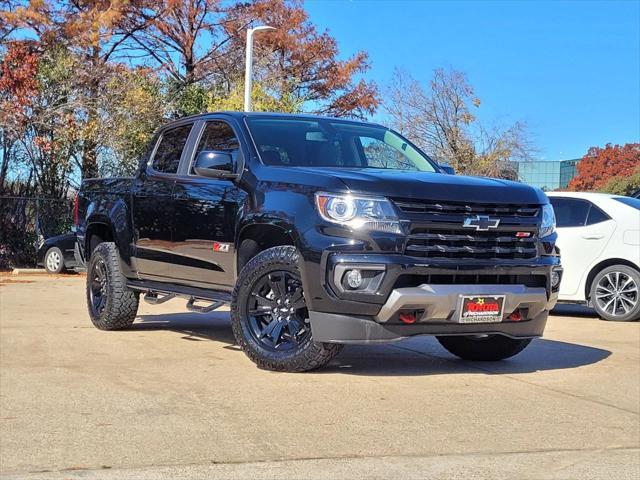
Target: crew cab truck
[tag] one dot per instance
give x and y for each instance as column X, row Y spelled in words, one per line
column 319, row 232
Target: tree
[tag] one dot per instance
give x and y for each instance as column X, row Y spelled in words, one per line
column 623, row 185
column 182, row 37
column 298, row 64
column 18, row 87
column 600, row 165
column 441, row 120
column 93, row 31
column 38, row 115
column 132, row 108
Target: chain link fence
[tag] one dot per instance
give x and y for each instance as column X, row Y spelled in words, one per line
column 25, row 222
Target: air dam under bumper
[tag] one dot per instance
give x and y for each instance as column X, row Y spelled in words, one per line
column 440, row 304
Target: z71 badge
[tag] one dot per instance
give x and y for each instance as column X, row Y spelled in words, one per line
column 221, row 247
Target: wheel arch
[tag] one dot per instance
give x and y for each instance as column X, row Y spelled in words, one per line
column 98, row 231
column 257, row 237
column 601, row 266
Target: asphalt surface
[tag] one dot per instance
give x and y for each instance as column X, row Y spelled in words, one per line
column 174, row 397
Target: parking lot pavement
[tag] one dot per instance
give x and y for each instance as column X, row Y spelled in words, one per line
column 175, row 397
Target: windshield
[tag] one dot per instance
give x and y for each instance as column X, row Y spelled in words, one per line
column 632, row 202
column 333, row 144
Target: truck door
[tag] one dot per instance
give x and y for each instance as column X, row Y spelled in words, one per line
column 206, row 213
column 153, row 208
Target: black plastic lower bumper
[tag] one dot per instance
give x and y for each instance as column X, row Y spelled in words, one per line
column 334, row 328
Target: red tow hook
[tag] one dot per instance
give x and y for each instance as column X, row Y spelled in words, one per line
column 408, row 318
column 515, row 316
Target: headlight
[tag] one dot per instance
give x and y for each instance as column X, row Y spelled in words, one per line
column 367, row 213
column 548, row 220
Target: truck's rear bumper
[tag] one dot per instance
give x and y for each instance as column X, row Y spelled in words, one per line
column 439, row 312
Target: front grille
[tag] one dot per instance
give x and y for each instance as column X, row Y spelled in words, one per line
column 477, row 245
column 464, row 209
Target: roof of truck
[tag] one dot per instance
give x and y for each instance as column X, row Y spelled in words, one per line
column 239, row 115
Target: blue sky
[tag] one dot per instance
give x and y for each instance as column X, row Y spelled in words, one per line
column 570, row 69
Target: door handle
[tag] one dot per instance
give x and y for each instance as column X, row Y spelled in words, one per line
column 593, row 236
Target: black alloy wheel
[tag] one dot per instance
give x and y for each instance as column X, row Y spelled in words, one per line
column 277, row 311
column 98, row 287
column 270, row 316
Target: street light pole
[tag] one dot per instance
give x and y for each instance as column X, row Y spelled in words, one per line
column 248, row 65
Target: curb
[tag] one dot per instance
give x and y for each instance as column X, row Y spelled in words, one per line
column 28, row 271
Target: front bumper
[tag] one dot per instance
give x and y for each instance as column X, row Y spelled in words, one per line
column 334, row 328
column 432, row 290
column 440, row 303
column 440, row 306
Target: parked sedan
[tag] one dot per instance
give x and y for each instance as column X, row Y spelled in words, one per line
column 59, row 253
column 599, row 241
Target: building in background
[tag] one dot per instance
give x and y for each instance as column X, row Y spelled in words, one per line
column 547, row 175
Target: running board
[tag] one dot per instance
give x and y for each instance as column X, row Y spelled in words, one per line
column 153, row 298
column 192, row 307
column 160, row 292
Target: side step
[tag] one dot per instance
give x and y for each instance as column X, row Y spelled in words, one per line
column 153, row 298
column 157, row 293
column 192, row 307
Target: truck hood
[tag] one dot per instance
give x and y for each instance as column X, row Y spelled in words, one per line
column 432, row 186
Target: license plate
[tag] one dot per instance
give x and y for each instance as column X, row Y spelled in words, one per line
column 481, row 308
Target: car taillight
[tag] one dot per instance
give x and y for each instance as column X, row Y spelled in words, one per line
column 76, row 214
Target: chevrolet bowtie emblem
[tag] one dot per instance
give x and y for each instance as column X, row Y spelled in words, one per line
column 481, row 222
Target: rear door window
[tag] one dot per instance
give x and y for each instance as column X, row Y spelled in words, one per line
column 169, row 151
column 570, row 212
column 596, row 216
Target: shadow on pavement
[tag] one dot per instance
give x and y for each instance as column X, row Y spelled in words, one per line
column 193, row 326
column 574, row 310
column 414, row 356
column 425, row 356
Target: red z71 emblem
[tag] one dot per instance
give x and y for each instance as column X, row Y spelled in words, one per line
column 221, row 247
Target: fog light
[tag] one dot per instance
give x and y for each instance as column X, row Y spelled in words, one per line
column 354, row 278
column 555, row 279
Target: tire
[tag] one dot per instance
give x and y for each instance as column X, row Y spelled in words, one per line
column 485, row 349
column 112, row 306
column 54, row 260
column 269, row 317
column 615, row 293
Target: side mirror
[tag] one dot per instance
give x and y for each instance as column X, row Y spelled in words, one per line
column 214, row 164
column 448, row 169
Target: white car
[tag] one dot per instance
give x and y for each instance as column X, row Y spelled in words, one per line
column 599, row 242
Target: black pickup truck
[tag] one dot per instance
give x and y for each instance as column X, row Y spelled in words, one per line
column 319, row 232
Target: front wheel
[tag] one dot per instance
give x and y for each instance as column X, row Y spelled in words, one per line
column 615, row 293
column 269, row 315
column 486, row 348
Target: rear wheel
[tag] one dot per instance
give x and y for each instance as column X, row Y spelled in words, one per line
column 53, row 260
column 269, row 315
column 487, row 348
column 112, row 306
column 615, row 293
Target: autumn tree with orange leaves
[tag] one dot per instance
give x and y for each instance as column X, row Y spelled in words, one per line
column 95, row 32
column 200, row 45
column 195, row 48
column 603, row 168
column 297, row 62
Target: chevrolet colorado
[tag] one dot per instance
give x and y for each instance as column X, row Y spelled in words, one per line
column 319, row 232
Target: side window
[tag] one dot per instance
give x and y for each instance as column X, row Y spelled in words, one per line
column 167, row 157
column 596, row 215
column 570, row 212
column 218, row 135
column 379, row 154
